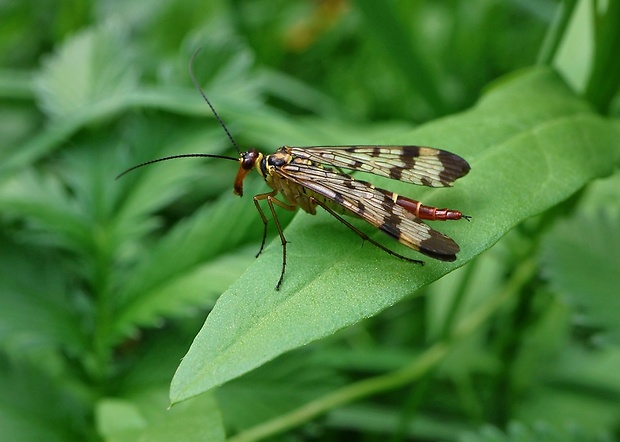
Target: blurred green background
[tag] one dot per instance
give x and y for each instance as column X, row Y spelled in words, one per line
column 104, row 284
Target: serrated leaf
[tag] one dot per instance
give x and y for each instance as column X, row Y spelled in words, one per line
column 211, row 231
column 580, row 258
column 108, row 98
column 35, row 313
column 198, row 286
column 531, row 144
column 90, row 67
column 42, row 201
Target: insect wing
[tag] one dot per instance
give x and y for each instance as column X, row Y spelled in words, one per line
column 412, row 164
column 374, row 206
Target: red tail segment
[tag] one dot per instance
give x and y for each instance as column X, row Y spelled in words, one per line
column 419, row 210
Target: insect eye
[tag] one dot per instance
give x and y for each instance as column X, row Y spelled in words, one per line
column 248, row 159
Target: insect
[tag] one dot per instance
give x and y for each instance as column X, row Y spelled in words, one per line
column 311, row 177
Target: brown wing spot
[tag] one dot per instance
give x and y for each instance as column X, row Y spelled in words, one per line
column 349, row 183
column 407, row 159
column 454, row 167
column 396, row 173
column 355, row 165
column 426, row 182
column 390, row 225
column 412, row 151
column 361, row 207
column 391, row 230
column 375, row 152
column 409, row 154
column 338, row 198
column 440, row 247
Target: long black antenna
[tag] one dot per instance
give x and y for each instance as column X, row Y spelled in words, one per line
column 172, row 157
column 217, row 116
column 187, row 155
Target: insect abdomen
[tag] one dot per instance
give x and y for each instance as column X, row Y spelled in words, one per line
column 419, row 210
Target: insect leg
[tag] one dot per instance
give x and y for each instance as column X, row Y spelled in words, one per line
column 263, row 217
column 267, row 196
column 362, row 234
column 271, row 200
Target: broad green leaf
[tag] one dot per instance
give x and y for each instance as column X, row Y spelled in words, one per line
column 531, row 144
column 121, row 420
column 118, row 416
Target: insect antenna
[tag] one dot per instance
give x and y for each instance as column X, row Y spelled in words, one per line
column 217, row 116
column 188, row 155
column 172, row 157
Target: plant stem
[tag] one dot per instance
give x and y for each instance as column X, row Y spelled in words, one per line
column 604, row 78
column 556, row 32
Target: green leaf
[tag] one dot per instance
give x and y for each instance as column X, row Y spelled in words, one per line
column 104, row 85
column 395, row 38
column 35, row 405
column 198, row 286
column 580, row 257
column 146, row 418
column 36, row 313
column 90, row 67
column 531, row 144
column 275, row 388
column 580, row 382
column 50, row 211
column 541, row 432
column 211, row 232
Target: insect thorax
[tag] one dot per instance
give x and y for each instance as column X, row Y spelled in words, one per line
column 294, row 194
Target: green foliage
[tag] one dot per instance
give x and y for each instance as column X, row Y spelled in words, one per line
column 105, row 284
column 542, row 433
column 528, row 152
column 588, row 242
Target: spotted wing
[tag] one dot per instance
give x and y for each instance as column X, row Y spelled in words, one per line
column 371, row 204
column 412, row 164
